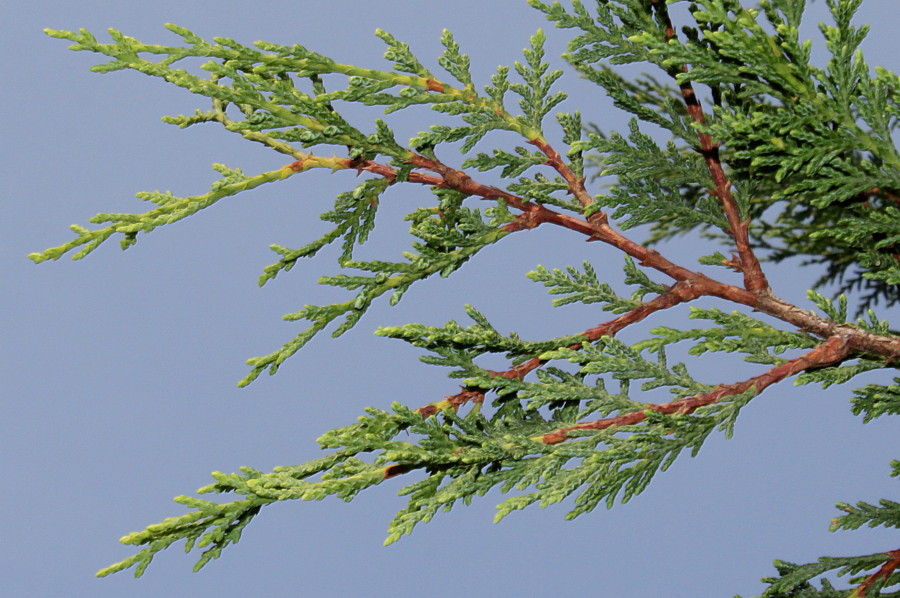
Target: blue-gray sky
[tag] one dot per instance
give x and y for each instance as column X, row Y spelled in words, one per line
column 119, row 371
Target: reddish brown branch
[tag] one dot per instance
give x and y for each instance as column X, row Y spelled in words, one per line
column 555, row 161
column 597, row 229
column 754, row 277
column 842, row 341
column 475, row 395
column 679, row 293
column 827, row 353
column 884, row 572
column 533, row 215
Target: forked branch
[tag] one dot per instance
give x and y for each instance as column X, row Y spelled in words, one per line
column 754, row 278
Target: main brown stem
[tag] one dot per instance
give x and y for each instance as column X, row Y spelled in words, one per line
column 840, row 341
column 754, row 278
column 533, row 215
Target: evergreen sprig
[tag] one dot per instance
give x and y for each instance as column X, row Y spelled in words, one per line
column 611, row 356
column 735, row 332
column 584, row 287
column 875, row 400
column 170, row 209
column 746, row 142
column 478, row 339
column 778, row 116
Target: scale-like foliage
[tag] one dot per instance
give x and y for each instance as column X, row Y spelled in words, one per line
column 746, row 141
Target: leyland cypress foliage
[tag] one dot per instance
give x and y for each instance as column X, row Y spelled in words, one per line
column 765, row 155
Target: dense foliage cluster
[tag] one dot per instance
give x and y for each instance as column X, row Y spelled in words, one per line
column 767, row 156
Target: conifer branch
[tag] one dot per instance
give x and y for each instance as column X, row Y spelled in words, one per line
column 576, row 184
column 678, row 293
column 784, row 131
column 841, row 342
column 754, row 277
column 884, row 573
column 827, row 353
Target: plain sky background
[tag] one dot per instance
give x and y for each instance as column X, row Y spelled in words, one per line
column 119, row 371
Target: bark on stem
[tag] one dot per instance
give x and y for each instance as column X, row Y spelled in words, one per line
column 678, row 293
column 761, row 300
column 555, row 161
column 754, row 277
column 827, row 353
